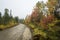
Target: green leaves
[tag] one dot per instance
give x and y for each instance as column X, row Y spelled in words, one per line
column 47, row 26
column 7, row 20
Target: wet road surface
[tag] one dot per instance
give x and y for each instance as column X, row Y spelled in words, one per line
column 20, row 32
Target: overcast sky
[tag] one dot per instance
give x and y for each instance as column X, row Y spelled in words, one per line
column 19, row 8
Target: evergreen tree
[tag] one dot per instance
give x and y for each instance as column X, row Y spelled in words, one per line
column 16, row 19
column 0, row 18
column 11, row 17
column 6, row 16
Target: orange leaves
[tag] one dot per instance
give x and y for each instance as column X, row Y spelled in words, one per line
column 35, row 15
column 27, row 19
column 46, row 20
column 51, row 4
column 51, row 9
column 50, row 18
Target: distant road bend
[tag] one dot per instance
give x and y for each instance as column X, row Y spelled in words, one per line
column 20, row 32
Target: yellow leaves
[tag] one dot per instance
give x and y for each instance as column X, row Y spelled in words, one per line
column 27, row 19
column 37, row 31
column 43, row 33
column 51, row 9
column 32, row 26
column 51, row 24
column 51, row 5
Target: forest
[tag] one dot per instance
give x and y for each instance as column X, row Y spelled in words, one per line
column 7, row 20
column 44, row 20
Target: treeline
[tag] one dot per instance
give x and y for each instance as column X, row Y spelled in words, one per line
column 8, row 19
column 44, row 20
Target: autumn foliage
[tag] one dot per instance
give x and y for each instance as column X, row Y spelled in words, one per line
column 46, row 20
column 43, row 21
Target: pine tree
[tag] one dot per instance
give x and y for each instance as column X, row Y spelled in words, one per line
column 0, row 19
column 6, row 16
column 11, row 17
column 16, row 19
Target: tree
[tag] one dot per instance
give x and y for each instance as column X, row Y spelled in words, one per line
column 0, row 18
column 21, row 20
column 28, row 19
column 51, row 5
column 11, row 17
column 6, row 16
column 37, row 12
column 17, row 19
column 57, row 10
column 35, row 15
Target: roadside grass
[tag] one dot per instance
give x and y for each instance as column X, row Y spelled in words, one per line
column 7, row 26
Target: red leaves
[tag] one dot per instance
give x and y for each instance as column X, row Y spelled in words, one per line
column 46, row 20
column 49, row 19
column 34, row 14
